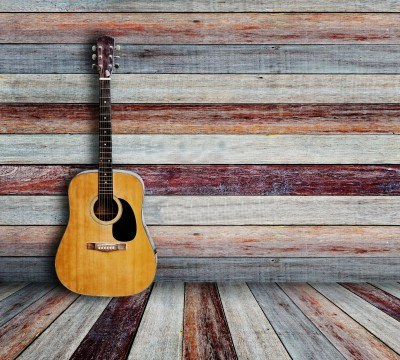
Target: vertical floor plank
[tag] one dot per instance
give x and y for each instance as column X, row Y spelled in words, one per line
column 21, row 299
column 6, row 289
column 63, row 336
column 299, row 335
column 206, row 332
column 252, row 334
column 377, row 322
column 111, row 336
column 347, row 335
column 392, row 288
column 160, row 331
column 382, row 300
column 21, row 330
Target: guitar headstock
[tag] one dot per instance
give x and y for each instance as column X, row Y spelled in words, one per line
column 104, row 54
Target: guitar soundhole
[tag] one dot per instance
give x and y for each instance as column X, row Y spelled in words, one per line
column 105, row 210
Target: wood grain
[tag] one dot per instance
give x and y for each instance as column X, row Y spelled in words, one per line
column 203, row 119
column 382, row 300
column 201, row 6
column 203, row 88
column 298, row 334
column 252, row 333
column 213, row 180
column 348, row 336
column 223, row 241
column 327, row 269
column 207, row 59
column 203, row 149
column 392, row 288
column 377, row 322
column 9, row 288
column 206, row 332
column 62, row 337
column 161, row 339
column 119, row 322
column 20, row 300
column 222, row 210
column 24, row 328
column 210, row 28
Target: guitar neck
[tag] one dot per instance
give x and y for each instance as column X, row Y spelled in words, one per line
column 105, row 141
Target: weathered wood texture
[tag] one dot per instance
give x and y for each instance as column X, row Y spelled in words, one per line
column 333, row 269
column 377, row 322
column 246, row 180
column 252, row 333
column 222, row 210
column 112, row 334
column 201, row 6
column 63, row 336
column 347, row 335
column 203, row 88
column 161, row 339
column 203, row 149
column 391, row 288
column 223, row 241
column 210, row 28
column 379, row 298
column 203, row 119
column 205, row 59
column 206, row 332
column 24, row 328
column 7, row 289
column 298, row 334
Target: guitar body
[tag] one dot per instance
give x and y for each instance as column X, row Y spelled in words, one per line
column 106, row 258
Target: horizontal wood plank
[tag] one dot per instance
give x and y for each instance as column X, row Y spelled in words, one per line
column 9, row 288
column 222, row 210
column 210, row 28
column 201, row 6
column 334, row 269
column 346, row 334
column 203, row 118
column 224, row 241
column 212, row 180
column 202, row 88
column 203, row 149
column 206, row 59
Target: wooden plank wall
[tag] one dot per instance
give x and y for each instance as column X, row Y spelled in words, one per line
column 266, row 132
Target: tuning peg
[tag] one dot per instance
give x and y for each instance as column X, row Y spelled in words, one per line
column 116, row 66
column 94, row 56
column 94, row 47
column 116, row 57
column 94, row 66
column 118, row 48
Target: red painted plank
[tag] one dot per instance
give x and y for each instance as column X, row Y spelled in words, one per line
column 379, row 298
column 206, row 332
column 203, row 28
column 112, row 335
column 204, row 119
column 218, row 179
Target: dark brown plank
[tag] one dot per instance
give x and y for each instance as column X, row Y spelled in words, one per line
column 206, row 332
column 379, row 298
column 22, row 330
column 204, row 119
column 113, row 333
column 204, row 28
column 218, row 179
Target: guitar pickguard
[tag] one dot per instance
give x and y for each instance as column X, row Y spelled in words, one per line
column 125, row 228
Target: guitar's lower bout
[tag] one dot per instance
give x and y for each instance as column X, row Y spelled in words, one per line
column 102, row 259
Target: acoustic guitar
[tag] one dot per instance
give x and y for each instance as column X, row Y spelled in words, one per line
column 106, row 249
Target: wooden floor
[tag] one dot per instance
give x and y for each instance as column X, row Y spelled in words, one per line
column 175, row 320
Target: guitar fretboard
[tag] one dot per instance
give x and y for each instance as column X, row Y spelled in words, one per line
column 105, row 144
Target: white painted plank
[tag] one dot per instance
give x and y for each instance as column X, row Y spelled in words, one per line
column 222, row 210
column 199, row 88
column 7, row 289
column 392, row 288
column 62, row 337
column 383, row 326
column 252, row 333
column 203, row 149
column 160, row 332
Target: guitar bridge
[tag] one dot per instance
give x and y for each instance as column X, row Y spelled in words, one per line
column 106, row 247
